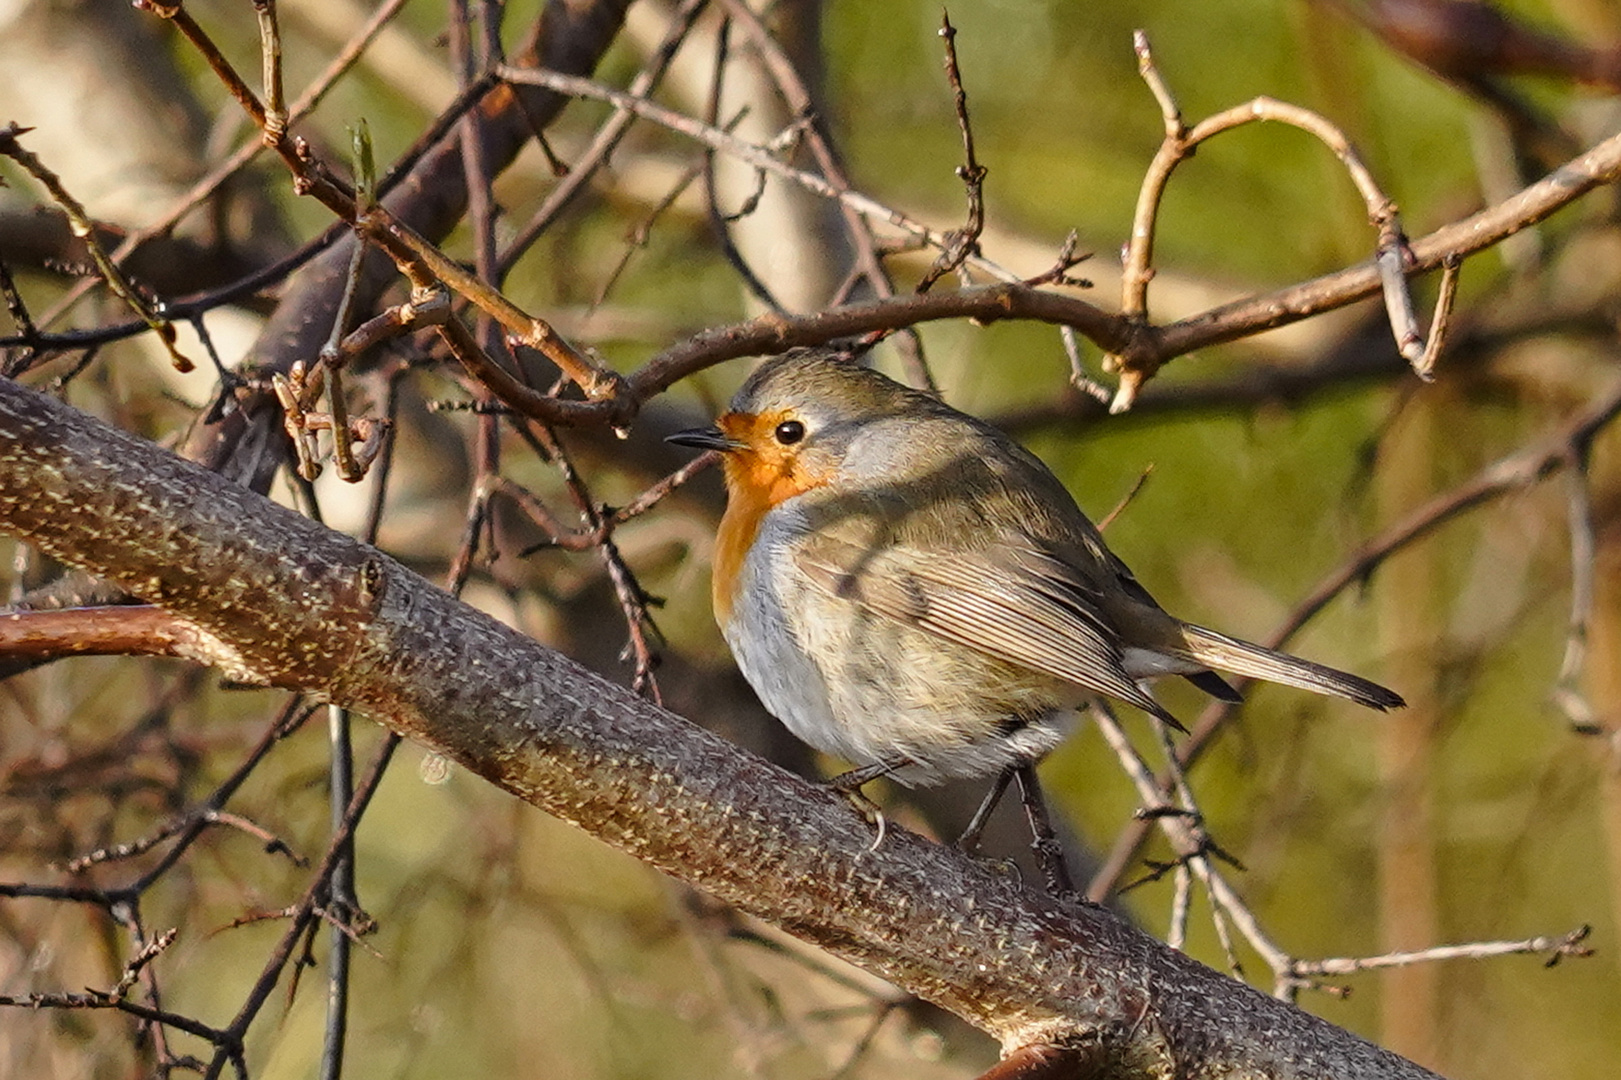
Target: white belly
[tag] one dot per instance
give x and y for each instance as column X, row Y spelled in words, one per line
column 883, row 707
column 789, row 685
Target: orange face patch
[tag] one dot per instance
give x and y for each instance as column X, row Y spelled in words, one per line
column 764, row 469
column 759, row 475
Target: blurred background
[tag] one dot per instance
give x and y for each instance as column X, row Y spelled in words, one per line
column 506, row 943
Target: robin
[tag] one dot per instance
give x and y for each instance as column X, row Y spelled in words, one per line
column 908, row 589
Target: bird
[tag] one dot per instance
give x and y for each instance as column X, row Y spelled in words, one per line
column 908, row 589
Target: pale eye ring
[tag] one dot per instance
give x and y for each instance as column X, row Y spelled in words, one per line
column 789, row 432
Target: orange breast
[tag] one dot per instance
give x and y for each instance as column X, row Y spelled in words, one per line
column 753, row 486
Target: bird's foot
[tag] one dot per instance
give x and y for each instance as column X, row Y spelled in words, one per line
column 849, row 785
column 1048, row 850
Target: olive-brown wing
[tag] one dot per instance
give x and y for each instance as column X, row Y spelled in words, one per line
column 1016, row 603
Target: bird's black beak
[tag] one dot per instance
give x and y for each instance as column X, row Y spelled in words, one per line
column 704, row 438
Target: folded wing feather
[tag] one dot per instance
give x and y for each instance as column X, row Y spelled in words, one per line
column 1017, row 604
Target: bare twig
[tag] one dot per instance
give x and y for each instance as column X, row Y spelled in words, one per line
column 964, row 242
column 1521, row 469
column 1557, row 948
column 1125, row 500
column 1567, row 692
column 275, row 107
column 656, row 494
column 251, row 148
column 79, row 221
column 185, row 823
column 420, row 261
column 1186, row 834
column 1391, row 255
column 869, row 264
column 228, row 1041
column 101, row 999
column 19, row 316
column 600, row 523
column 742, row 150
column 720, row 222
column 333, row 360
column 607, row 137
column 1440, row 321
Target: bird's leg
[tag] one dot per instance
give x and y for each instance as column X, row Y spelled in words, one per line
column 969, row 840
column 1049, row 852
column 846, row 782
column 849, row 785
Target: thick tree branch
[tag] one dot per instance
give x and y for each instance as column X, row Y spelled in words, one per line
column 288, row 602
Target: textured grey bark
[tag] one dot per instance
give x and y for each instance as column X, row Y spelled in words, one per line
column 282, row 600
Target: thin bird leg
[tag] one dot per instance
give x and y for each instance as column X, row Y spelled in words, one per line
column 846, row 782
column 1049, row 852
column 849, row 785
column 969, row 840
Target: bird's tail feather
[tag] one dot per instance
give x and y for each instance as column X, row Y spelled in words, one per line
column 1242, row 658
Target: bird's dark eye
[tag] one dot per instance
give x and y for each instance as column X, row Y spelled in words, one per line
column 789, row 432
